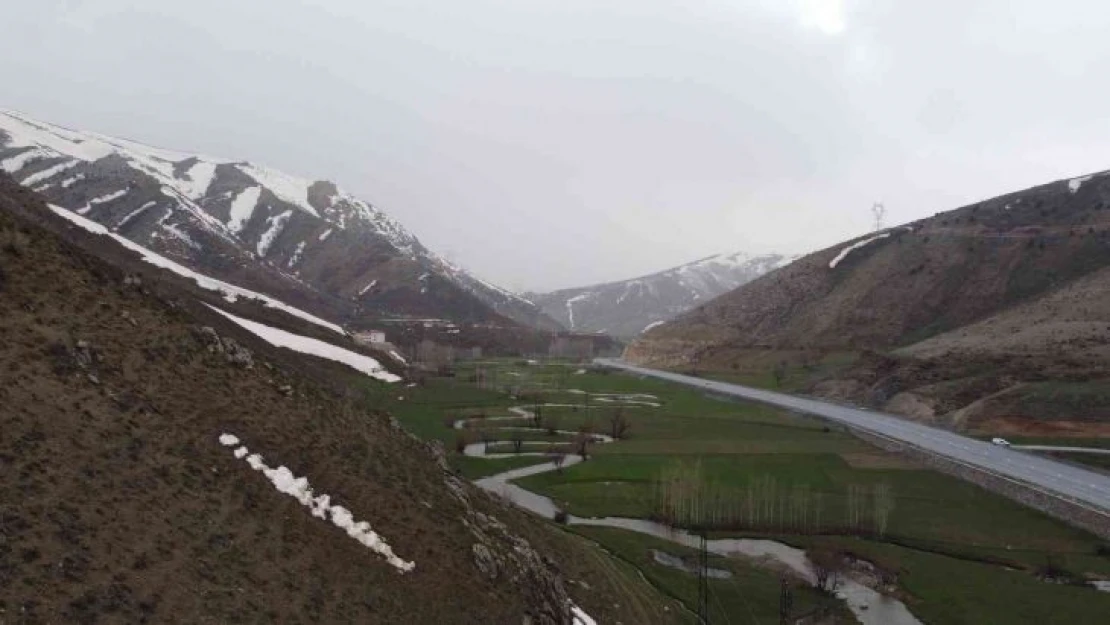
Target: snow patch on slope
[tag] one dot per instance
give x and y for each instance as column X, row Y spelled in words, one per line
column 21, row 160
column 276, row 225
column 242, row 207
column 320, row 506
column 101, row 200
column 853, row 247
column 313, row 347
column 229, row 291
column 48, row 173
column 133, row 214
column 200, row 178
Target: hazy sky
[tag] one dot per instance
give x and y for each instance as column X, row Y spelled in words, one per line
column 551, row 143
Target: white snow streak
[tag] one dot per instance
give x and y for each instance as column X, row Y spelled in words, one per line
column 326, row 234
column 69, row 182
column 48, row 173
column 230, row 291
column 855, row 246
column 652, row 325
column 297, row 253
column 570, row 306
column 579, row 616
column 313, row 347
column 101, row 200
column 242, row 207
column 135, row 213
column 181, row 235
column 19, row 161
column 276, row 225
column 321, row 507
column 398, row 357
column 367, row 288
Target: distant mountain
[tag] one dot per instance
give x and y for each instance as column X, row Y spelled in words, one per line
column 998, row 299
column 305, row 241
column 627, row 308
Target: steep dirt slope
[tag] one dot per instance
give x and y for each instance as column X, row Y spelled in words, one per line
column 906, row 284
column 118, row 503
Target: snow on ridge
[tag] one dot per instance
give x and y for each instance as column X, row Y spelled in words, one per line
column 1075, row 183
column 320, row 506
column 277, row 224
column 652, row 326
column 230, row 291
column 242, row 207
column 313, row 347
column 200, row 178
column 288, row 188
column 855, row 246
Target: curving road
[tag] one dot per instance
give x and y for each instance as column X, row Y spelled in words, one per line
column 1063, row 480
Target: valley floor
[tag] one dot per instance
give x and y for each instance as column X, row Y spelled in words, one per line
column 765, row 473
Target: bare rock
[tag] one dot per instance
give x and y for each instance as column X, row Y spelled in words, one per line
column 485, row 561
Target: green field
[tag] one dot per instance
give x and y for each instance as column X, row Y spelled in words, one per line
column 936, row 531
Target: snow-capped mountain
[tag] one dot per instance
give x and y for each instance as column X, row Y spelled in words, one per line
column 249, row 224
column 629, row 307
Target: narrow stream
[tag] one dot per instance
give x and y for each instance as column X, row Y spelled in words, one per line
column 869, row 606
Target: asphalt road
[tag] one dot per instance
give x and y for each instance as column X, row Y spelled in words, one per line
column 1087, row 487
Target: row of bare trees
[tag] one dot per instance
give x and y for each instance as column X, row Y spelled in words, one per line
column 685, row 498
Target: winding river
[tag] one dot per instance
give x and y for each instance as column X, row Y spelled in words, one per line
column 868, row 605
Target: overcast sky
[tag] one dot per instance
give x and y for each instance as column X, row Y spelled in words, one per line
column 553, row 143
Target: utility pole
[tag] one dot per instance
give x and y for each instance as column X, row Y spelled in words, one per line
column 879, row 211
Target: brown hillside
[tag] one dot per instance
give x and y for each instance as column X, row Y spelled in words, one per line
column 929, row 277
column 119, row 504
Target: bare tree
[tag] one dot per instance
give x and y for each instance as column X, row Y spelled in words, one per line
column 462, row 439
column 779, row 373
column 828, row 568
column 619, row 424
column 882, row 506
column 551, row 424
column 582, row 444
column 558, row 456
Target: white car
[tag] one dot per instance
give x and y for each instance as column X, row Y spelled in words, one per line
column 1001, row 442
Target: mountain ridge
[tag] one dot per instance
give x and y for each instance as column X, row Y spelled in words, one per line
column 626, row 308
column 248, row 222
